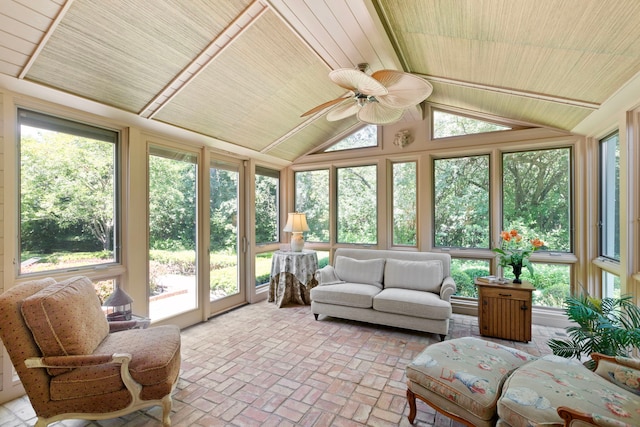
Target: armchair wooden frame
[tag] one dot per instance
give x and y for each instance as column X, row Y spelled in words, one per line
column 134, row 387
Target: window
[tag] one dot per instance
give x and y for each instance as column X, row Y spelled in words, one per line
column 536, row 200
column 365, row 137
column 312, row 199
column 357, row 213
column 552, row 283
column 610, row 285
column 172, row 232
column 267, row 193
column 461, row 208
column 536, row 196
column 404, row 204
column 610, row 197
column 446, row 124
column 69, row 206
column 464, row 273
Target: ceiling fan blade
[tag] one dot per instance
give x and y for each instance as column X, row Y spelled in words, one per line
column 357, row 81
column 404, row 90
column 326, row 105
column 348, row 108
column 377, row 114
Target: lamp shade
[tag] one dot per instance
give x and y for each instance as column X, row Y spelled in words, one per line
column 118, row 305
column 296, row 223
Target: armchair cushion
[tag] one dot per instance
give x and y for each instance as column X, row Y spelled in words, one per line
column 416, row 275
column 155, row 364
column 66, row 319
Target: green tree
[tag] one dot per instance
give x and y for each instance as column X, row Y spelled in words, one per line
column 312, row 199
column 67, row 191
column 462, row 202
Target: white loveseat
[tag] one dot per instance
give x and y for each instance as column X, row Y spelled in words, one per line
column 409, row 290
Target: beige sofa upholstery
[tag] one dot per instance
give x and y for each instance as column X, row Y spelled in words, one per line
column 70, row 363
column 409, row 290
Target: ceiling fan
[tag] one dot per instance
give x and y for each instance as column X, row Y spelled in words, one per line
column 379, row 98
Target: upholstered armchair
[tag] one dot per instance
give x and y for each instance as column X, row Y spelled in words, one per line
column 70, row 363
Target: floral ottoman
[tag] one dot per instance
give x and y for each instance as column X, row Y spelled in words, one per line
column 607, row 397
column 462, row 378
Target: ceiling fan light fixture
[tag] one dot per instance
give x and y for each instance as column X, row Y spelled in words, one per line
column 380, row 98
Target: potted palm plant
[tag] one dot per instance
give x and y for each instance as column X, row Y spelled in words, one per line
column 610, row 326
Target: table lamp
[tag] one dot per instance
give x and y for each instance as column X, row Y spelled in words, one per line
column 296, row 224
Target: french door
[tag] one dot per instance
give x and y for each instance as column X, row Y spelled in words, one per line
column 196, row 268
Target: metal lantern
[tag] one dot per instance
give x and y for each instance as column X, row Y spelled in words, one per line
column 118, row 305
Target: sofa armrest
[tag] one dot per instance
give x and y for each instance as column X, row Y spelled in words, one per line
column 327, row 276
column 448, row 288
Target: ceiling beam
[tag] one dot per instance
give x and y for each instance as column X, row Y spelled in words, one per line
column 515, row 92
column 238, row 26
column 45, row 39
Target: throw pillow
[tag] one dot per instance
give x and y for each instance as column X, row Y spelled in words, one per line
column 66, row 318
column 366, row 271
column 418, row 275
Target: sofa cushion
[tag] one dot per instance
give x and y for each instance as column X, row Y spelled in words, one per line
column 467, row 373
column 418, row 275
column 369, row 272
column 66, row 318
column 409, row 302
column 349, row 294
column 533, row 393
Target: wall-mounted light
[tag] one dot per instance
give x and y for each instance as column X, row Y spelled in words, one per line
column 403, row 138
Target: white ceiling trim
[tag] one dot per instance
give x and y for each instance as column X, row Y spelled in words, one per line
column 514, row 92
column 45, row 39
column 238, row 26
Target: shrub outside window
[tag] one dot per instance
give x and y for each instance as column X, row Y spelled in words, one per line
column 68, row 194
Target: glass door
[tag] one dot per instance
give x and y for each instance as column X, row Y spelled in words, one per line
column 225, row 235
column 173, row 193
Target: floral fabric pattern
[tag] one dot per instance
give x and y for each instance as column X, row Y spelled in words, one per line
column 468, row 371
column 292, row 277
column 533, row 393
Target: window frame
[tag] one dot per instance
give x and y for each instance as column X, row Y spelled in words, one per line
column 88, row 128
column 602, row 171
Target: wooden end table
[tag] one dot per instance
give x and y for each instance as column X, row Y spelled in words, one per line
column 504, row 310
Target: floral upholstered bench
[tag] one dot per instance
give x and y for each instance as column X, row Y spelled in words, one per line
column 462, row 378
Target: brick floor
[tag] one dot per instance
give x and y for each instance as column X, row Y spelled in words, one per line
column 263, row 366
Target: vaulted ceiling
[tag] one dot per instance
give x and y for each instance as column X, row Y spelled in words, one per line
column 241, row 72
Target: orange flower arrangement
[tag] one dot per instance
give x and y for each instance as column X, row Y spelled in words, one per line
column 512, row 253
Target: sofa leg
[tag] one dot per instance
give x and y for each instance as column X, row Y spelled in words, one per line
column 315, row 315
column 411, row 399
column 442, row 337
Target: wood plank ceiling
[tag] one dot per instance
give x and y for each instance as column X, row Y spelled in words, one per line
column 242, row 71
